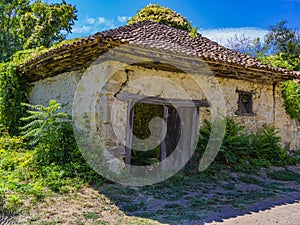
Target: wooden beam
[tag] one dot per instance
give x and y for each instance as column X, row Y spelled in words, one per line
column 163, row 146
column 129, row 131
column 125, row 96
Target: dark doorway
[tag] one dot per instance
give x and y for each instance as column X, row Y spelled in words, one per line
column 180, row 134
column 142, row 114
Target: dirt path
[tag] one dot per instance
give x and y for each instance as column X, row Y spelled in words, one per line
column 288, row 214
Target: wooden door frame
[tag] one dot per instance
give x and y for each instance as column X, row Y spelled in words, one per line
column 134, row 98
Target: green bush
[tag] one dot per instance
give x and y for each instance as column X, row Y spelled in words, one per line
column 51, row 162
column 12, row 143
column 161, row 14
column 235, row 147
column 157, row 13
column 51, row 134
column 266, row 145
column 242, row 149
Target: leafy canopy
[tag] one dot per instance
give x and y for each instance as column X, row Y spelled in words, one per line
column 29, row 24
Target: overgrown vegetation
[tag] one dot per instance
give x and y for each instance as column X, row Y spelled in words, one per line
column 243, row 149
column 291, row 95
column 157, row 13
column 14, row 87
column 46, row 159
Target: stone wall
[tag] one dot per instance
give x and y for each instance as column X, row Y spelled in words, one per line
column 61, row 88
column 267, row 102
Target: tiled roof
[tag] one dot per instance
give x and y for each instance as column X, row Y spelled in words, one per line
column 150, row 35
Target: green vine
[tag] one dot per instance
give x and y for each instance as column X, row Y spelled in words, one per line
column 14, row 87
column 13, row 90
column 291, row 96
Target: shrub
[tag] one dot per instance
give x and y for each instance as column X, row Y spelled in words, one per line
column 157, row 13
column 241, row 148
column 12, row 143
column 266, row 145
column 161, row 14
column 235, row 147
column 51, row 134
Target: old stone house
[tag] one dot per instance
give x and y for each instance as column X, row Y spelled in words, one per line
column 155, row 64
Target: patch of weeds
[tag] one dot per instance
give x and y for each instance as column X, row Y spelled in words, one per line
column 177, row 215
column 287, row 189
column 253, row 196
column 78, row 222
column 91, row 215
column 120, row 190
column 47, row 223
column 99, row 222
column 284, row 175
column 169, row 193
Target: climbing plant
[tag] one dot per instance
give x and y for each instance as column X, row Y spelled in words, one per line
column 291, row 95
column 14, row 87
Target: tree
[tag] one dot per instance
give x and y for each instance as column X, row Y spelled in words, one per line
column 157, row 13
column 26, row 24
column 283, row 43
column 282, row 39
column 245, row 45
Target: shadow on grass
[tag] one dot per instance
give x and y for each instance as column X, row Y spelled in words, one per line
column 203, row 197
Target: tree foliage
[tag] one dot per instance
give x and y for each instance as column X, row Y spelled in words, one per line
column 291, row 95
column 283, row 40
column 283, row 43
column 157, row 13
column 26, row 24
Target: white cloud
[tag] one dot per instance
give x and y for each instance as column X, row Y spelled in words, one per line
column 222, row 35
column 102, row 20
column 123, row 19
column 90, row 20
column 82, row 29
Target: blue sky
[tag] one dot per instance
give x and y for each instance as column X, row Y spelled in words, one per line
column 218, row 20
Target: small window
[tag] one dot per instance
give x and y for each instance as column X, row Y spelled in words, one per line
column 245, row 103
